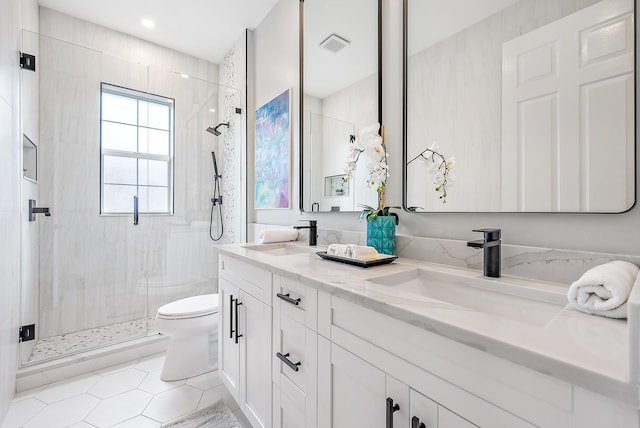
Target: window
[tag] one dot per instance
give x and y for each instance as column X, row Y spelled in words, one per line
column 136, row 151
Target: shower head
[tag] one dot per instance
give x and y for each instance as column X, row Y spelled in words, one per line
column 215, row 131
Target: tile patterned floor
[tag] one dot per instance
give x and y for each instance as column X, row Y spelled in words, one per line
column 79, row 341
column 127, row 395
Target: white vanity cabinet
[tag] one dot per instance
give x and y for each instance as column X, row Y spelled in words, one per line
column 310, row 358
column 295, row 353
column 244, row 342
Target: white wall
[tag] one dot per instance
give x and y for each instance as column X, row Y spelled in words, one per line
column 15, row 15
column 277, row 67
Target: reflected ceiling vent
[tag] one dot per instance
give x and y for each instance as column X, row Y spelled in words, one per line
column 334, row 43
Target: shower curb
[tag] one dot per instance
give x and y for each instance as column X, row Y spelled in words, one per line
column 44, row 373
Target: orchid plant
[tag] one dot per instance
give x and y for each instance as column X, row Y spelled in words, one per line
column 370, row 144
column 441, row 168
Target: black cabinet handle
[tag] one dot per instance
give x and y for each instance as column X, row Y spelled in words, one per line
column 293, row 366
column 391, row 409
column 287, row 298
column 415, row 423
column 231, row 317
column 238, row 303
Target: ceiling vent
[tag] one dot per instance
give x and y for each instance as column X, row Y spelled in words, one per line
column 334, row 43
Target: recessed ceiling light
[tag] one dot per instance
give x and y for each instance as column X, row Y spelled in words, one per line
column 184, row 76
column 212, row 110
column 148, row 23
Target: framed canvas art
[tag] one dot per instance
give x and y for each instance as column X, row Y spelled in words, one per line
column 273, row 153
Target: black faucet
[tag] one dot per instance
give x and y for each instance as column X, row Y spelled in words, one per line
column 491, row 246
column 313, row 231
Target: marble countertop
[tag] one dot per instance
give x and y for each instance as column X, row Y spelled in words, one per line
column 589, row 351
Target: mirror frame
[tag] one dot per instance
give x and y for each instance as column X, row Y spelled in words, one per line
column 301, row 96
column 405, row 151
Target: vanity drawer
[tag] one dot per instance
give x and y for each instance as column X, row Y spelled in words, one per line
column 294, row 353
column 295, row 300
column 250, row 278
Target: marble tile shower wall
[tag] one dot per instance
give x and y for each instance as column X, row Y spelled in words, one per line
column 94, row 270
column 233, row 75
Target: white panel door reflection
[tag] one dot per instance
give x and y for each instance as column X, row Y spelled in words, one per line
column 556, row 80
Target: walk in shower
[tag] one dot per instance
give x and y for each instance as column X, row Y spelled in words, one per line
column 115, row 139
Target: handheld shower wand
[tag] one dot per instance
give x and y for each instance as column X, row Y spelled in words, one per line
column 216, row 200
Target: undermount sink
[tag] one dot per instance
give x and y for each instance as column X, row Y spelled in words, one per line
column 279, row 249
column 518, row 299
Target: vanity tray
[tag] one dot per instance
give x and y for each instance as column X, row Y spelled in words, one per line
column 382, row 259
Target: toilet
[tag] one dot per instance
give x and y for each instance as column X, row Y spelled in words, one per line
column 192, row 327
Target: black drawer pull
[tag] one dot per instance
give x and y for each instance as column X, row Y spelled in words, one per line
column 293, row 366
column 391, row 409
column 415, row 423
column 287, row 298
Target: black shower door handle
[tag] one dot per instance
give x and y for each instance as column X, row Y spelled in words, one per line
column 135, row 210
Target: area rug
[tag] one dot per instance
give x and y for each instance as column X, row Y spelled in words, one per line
column 217, row 415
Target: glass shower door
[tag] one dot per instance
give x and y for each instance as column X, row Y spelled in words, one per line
column 84, row 269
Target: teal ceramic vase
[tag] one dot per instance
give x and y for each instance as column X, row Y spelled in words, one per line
column 381, row 234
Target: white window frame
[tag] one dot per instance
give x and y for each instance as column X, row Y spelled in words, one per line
column 170, row 160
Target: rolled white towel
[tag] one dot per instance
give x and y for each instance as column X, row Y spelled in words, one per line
column 361, row 252
column 337, row 250
column 277, row 235
column 604, row 289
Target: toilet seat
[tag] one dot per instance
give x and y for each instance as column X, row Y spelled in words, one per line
column 191, row 307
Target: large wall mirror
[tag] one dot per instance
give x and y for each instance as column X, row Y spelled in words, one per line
column 340, row 94
column 534, row 99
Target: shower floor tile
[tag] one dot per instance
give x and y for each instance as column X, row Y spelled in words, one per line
column 72, row 343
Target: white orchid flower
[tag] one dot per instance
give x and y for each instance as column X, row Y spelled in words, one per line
column 450, row 162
